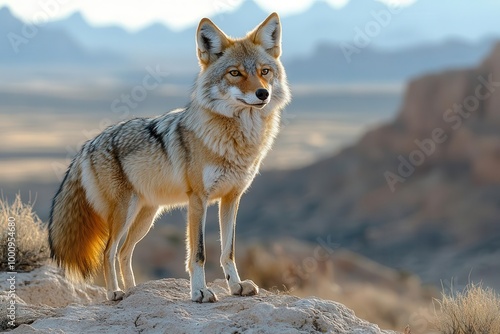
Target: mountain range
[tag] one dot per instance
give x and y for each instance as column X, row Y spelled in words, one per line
column 419, row 38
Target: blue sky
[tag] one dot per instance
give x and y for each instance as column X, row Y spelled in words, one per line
column 135, row 15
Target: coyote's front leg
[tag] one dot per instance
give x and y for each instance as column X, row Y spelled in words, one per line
column 228, row 208
column 195, row 261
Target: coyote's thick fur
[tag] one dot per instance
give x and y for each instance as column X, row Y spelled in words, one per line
column 209, row 151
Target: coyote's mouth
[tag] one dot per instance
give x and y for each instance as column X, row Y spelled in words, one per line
column 256, row 105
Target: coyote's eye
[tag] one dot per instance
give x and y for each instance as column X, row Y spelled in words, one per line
column 265, row 71
column 235, row 73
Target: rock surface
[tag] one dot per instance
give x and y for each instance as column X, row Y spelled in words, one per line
column 163, row 306
column 45, row 285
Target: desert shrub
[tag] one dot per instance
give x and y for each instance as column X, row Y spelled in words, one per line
column 476, row 310
column 28, row 237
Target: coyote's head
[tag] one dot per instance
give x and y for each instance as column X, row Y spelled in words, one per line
column 241, row 73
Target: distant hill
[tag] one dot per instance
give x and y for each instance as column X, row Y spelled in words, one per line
column 21, row 44
column 442, row 163
column 403, row 47
column 423, row 22
column 328, row 63
column 153, row 43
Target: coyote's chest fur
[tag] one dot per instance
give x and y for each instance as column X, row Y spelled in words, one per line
column 240, row 146
column 240, row 139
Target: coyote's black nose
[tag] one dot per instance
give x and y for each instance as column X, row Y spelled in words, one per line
column 262, row 94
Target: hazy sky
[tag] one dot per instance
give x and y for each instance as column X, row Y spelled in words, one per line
column 137, row 14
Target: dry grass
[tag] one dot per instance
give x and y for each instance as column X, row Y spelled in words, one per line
column 30, row 236
column 476, row 310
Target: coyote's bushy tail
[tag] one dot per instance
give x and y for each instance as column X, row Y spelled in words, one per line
column 77, row 234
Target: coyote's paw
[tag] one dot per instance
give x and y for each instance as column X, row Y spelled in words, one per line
column 116, row 295
column 204, row 295
column 244, row 288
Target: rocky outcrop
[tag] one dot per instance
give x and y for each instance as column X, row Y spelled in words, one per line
column 453, row 118
column 39, row 293
column 164, row 306
column 45, row 285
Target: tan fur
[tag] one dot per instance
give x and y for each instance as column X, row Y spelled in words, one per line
column 208, row 152
column 79, row 246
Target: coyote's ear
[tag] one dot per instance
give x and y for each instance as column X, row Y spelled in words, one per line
column 210, row 42
column 268, row 34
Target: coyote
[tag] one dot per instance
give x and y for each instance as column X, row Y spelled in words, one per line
column 207, row 152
